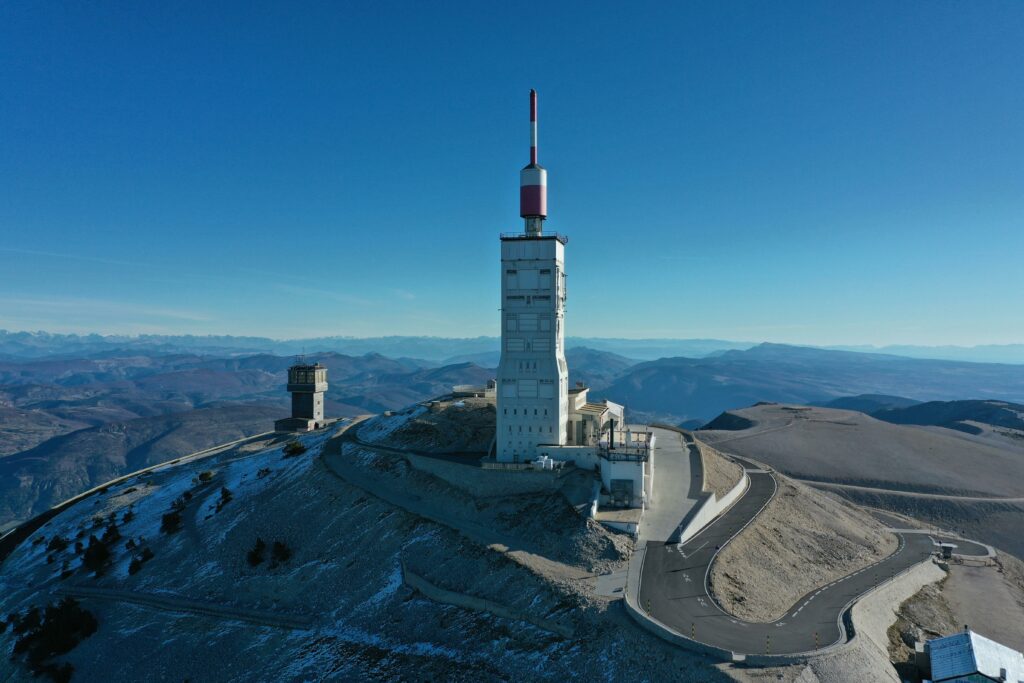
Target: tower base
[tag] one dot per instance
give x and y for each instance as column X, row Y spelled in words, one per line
column 297, row 424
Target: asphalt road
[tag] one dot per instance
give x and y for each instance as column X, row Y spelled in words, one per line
column 678, row 489
column 673, row 586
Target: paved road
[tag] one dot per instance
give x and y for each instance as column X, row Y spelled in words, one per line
column 673, row 586
column 679, row 480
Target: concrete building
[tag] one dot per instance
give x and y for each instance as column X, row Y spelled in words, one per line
column 969, row 657
column 307, row 384
column 538, row 415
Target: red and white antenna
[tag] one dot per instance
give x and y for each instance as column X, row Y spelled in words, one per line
column 533, row 127
column 533, row 181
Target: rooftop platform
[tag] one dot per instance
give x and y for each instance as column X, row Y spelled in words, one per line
column 505, row 236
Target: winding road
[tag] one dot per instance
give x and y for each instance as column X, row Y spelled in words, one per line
column 674, row 585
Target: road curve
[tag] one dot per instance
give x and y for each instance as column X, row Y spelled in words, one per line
column 674, row 586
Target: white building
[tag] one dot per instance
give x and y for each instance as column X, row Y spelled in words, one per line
column 533, row 378
column 968, row 656
column 538, row 415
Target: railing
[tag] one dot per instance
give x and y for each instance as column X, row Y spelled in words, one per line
column 624, row 453
column 564, row 239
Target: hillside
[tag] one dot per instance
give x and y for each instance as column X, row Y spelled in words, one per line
column 36, row 479
column 802, row 540
column 510, row 595
column 950, row 478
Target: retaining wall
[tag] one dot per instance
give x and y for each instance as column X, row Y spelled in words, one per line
column 464, row 600
column 486, row 483
column 712, row 507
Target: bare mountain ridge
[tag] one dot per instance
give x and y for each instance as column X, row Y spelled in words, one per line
column 970, row 484
column 958, row 415
column 700, row 388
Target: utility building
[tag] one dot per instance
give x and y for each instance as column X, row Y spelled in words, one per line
column 307, row 384
column 533, row 378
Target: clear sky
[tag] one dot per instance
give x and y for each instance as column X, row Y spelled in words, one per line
column 816, row 172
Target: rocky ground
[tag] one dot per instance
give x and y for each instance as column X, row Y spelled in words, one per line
column 803, row 539
column 452, row 426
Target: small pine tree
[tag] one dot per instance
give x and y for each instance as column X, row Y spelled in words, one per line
column 170, row 522
column 280, row 552
column 255, row 556
column 96, row 556
column 57, row 544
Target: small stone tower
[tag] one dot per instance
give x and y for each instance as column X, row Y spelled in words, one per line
column 307, row 384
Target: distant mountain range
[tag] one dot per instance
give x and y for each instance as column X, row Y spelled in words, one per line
column 445, row 351
column 69, row 423
column 441, row 350
column 700, row 388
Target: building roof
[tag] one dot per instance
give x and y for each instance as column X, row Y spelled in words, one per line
column 595, row 408
column 969, row 653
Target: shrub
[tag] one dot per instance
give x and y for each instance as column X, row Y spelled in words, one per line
column 140, row 559
column 79, row 547
column 205, row 476
column 128, row 516
column 62, row 626
column 57, row 544
column 293, row 448
column 170, row 522
column 262, row 472
column 280, row 553
column 255, row 556
column 96, row 556
column 111, row 534
column 225, row 497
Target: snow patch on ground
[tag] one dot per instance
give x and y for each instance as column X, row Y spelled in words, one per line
column 391, row 586
column 382, row 426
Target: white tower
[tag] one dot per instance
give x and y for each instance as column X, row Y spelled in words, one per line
column 533, row 378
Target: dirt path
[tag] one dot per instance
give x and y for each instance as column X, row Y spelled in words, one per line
column 909, row 494
column 175, row 603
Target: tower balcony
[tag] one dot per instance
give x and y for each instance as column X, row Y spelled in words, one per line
column 506, row 236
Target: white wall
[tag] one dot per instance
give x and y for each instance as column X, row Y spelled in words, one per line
column 712, row 507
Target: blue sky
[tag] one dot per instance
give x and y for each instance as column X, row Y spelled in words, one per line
column 816, row 173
